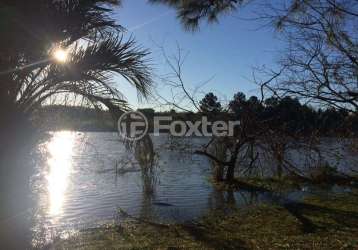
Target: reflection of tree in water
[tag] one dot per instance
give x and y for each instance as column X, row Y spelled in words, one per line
column 144, row 154
column 216, row 199
column 222, row 199
column 219, row 148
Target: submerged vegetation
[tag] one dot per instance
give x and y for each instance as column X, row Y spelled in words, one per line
column 315, row 223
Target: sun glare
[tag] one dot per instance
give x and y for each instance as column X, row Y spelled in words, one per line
column 60, row 55
column 60, row 165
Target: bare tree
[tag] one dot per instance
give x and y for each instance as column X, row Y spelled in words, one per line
column 223, row 152
column 320, row 63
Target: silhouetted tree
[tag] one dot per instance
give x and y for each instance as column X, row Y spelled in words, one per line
column 238, row 102
column 210, row 104
column 240, row 105
column 320, row 64
column 31, row 32
column 191, row 12
column 331, row 121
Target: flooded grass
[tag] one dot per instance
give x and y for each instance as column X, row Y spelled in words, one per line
column 271, row 184
column 315, row 223
column 288, row 183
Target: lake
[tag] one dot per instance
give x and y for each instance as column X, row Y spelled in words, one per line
column 80, row 181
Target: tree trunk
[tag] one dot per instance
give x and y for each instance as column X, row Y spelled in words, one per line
column 278, row 152
column 230, row 174
column 218, row 172
column 279, row 170
column 280, row 157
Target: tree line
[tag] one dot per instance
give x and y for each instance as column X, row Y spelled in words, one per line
column 287, row 114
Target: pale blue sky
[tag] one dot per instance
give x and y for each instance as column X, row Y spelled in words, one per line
column 227, row 50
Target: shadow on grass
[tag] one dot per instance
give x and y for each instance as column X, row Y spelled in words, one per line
column 315, row 217
column 210, row 238
column 312, row 217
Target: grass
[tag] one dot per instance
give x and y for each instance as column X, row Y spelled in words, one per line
column 268, row 184
column 317, row 223
column 285, row 184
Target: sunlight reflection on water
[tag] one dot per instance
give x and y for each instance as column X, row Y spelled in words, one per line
column 60, row 167
column 76, row 185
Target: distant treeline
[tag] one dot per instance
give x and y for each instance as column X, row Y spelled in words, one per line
column 287, row 114
column 59, row 117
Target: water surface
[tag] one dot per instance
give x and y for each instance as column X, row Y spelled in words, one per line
column 79, row 183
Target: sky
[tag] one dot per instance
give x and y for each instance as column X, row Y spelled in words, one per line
column 225, row 52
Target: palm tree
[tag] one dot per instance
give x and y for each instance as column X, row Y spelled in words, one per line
column 90, row 50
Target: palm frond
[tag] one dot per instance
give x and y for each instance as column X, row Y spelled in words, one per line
column 117, row 56
column 89, row 73
column 29, row 77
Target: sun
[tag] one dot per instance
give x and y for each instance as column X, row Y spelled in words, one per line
column 60, row 55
